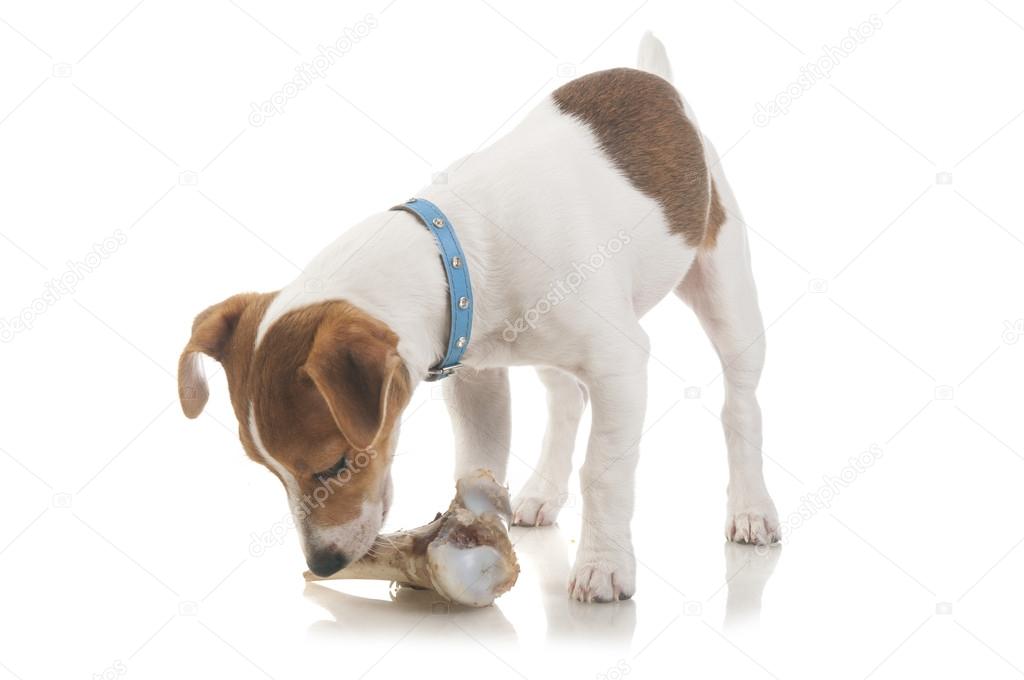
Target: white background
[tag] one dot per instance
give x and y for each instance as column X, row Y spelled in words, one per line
column 891, row 291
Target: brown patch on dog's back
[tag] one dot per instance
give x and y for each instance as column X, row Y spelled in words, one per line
column 640, row 122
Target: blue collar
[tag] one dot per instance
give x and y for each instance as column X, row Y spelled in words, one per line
column 460, row 292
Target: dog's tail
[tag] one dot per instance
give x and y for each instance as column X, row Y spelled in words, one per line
column 651, row 57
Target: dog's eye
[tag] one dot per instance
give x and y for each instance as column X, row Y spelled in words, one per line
column 333, row 470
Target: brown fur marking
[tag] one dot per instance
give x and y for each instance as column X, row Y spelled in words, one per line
column 716, row 217
column 639, row 120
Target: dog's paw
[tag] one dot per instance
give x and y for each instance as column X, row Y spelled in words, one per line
column 535, row 506
column 602, row 577
column 752, row 522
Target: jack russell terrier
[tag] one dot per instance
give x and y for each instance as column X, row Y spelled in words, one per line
column 603, row 200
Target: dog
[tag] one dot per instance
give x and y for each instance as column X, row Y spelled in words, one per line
column 601, row 202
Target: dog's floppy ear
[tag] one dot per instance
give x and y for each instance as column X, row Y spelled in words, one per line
column 357, row 370
column 211, row 332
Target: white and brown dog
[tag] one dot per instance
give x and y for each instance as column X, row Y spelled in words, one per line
column 609, row 184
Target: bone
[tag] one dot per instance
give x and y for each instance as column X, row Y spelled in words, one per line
column 464, row 554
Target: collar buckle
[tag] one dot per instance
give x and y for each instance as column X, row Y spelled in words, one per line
column 438, row 373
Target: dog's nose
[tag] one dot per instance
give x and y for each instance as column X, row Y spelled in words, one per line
column 326, row 563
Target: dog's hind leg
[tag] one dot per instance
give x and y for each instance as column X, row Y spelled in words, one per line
column 720, row 289
column 615, row 373
column 544, row 494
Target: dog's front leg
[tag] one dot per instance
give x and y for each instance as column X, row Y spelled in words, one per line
column 605, row 568
column 481, row 412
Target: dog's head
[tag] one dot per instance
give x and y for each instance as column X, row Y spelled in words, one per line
column 317, row 402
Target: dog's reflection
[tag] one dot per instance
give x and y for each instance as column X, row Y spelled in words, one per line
column 747, row 570
column 406, row 609
column 545, row 553
column 544, row 558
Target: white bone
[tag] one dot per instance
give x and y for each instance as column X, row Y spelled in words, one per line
column 465, row 554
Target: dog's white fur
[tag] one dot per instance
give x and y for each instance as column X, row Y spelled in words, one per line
column 529, row 210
